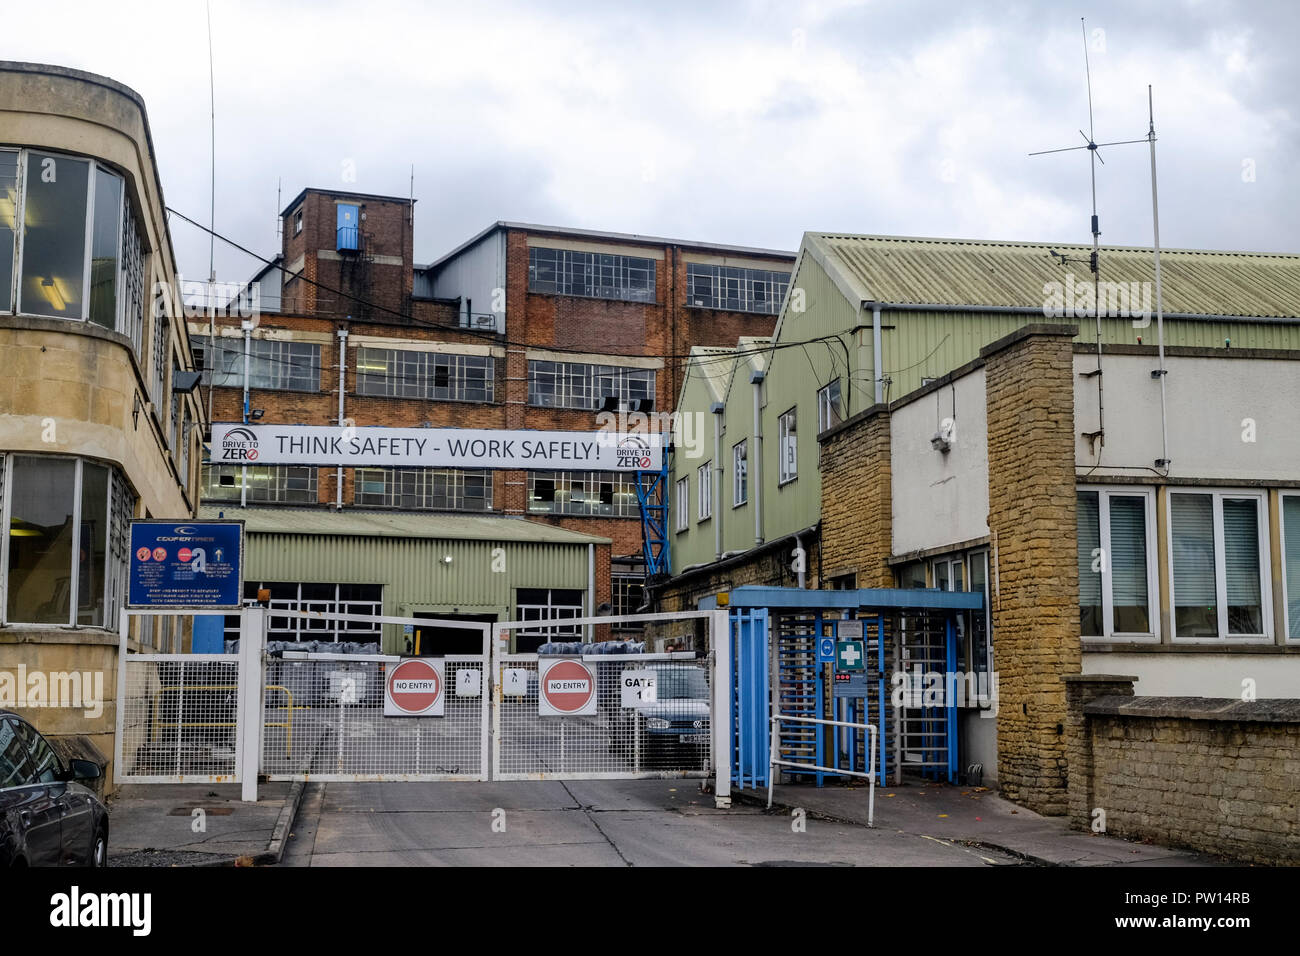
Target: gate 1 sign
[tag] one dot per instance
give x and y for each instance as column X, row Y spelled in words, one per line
column 567, row 688
column 187, row 564
column 414, row 688
column 639, row 688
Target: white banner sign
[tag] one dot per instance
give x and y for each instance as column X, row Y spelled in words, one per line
column 235, row 444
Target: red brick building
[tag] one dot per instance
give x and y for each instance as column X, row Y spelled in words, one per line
column 520, row 327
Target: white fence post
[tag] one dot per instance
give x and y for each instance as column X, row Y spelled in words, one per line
column 720, row 725
column 252, row 638
column 119, row 705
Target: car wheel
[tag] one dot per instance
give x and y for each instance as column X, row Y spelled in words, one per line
column 99, row 849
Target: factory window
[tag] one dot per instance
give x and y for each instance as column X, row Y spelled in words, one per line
column 705, row 484
column 434, row 489
column 740, row 473
column 787, row 446
column 272, row 364
column 436, row 376
column 734, row 288
column 267, row 484
column 323, row 599
column 1116, row 562
column 66, row 547
column 78, row 246
column 593, row 274
column 607, row 493
column 546, row 604
column 682, row 497
column 1219, row 556
column 297, row 222
column 578, row 385
column 1291, row 564
column 629, row 594
column 829, row 409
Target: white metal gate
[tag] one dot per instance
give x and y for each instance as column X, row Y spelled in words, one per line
column 183, row 718
column 299, row 715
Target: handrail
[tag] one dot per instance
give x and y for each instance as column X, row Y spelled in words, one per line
column 775, row 761
column 168, row 725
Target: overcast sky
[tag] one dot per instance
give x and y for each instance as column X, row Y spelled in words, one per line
column 745, row 123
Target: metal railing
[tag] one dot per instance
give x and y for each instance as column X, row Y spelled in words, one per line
column 775, row 761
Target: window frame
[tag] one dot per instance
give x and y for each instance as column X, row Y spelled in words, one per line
column 783, row 435
column 704, row 495
column 280, row 476
column 739, row 474
column 826, row 408
column 1264, row 544
column 623, row 503
column 455, row 483
column 1282, row 532
column 757, row 291
column 682, row 503
column 1110, row 635
column 118, row 493
column 123, row 322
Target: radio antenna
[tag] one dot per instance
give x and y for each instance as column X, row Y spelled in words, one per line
column 1093, row 147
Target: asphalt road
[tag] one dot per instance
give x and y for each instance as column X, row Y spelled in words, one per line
column 585, row 823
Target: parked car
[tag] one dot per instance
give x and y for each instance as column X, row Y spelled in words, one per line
column 47, row 818
column 674, row 730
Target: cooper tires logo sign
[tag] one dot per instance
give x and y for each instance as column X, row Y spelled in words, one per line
column 238, row 444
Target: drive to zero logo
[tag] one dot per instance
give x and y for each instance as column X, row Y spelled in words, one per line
column 568, row 687
column 414, row 689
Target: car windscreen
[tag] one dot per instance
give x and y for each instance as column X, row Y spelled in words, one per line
column 681, row 683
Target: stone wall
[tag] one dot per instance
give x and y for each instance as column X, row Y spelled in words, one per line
column 856, row 499
column 1213, row 774
column 1030, row 407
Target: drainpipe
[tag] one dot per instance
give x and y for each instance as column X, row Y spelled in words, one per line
column 247, row 325
column 878, row 372
column 756, row 460
column 591, row 589
column 343, row 372
column 715, row 505
column 798, row 547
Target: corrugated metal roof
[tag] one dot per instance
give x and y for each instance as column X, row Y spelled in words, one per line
column 714, row 367
column 956, row 272
column 398, row 524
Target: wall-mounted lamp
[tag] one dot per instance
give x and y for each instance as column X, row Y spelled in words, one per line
column 135, row 412
column 255, row 415
column 446, row 559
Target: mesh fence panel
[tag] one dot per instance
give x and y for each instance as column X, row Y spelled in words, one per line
column 324, row 719
column 668, row 737
column 179, row 719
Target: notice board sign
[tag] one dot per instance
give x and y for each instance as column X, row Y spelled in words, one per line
column 190, row 564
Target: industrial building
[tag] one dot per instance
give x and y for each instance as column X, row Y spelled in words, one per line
column 520, row 327
column 967, row 426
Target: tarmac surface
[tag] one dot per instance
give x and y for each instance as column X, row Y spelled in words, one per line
column 598, row 823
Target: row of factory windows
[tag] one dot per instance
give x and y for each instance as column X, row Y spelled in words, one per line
column 328, row 599
column 589, row 493
column 632, row 279
column 431, row 376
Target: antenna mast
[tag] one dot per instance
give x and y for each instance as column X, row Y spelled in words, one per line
column 212, row 217
column 1092, row 146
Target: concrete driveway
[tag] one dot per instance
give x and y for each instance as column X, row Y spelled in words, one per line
column 586, row 823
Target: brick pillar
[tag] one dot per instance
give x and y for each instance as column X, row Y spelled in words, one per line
column 1030, row 405
column 1079, row 690
column 857, row 511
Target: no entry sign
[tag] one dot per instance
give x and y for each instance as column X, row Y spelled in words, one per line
column 567, row 687
column 414, row 688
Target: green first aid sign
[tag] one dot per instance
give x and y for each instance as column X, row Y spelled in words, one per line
column 850, row 656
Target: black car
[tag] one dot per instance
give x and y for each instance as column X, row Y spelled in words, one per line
column 46, row 817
